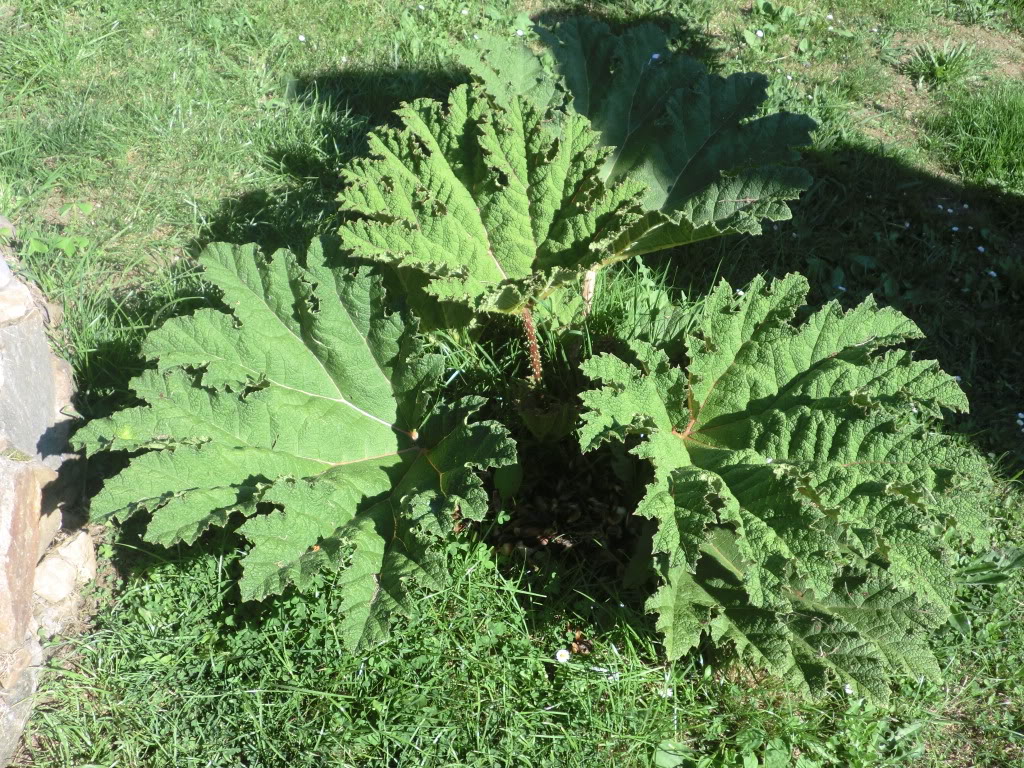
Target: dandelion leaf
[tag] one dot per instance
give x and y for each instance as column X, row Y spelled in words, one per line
column 806, row 504
column 304, row 409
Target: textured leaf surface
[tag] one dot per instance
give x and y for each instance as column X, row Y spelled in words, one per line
column 487, row 200
column 504, row 193
column 692, row 141
column 800, row 486
column 305, row 409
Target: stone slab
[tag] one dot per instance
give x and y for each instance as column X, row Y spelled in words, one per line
column 20, row 498
column 28, row 407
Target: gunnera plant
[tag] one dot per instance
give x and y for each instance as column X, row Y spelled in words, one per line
column 805, row 508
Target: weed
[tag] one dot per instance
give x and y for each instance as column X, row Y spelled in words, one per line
column 932, row 67
column 191, row 122
column 986, row 12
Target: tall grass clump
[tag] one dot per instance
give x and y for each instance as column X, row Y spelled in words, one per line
column 980, row 135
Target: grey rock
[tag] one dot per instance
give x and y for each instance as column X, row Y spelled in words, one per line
column 55, row 579
column 27, row 409
column 16, row 702
column 65, row 568
column 80, row 552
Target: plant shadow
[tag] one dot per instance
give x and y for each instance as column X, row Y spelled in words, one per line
column 948, row 255
column 352, row 101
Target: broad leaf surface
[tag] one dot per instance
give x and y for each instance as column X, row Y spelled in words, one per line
column 304, row 408
column 489, row 202
column 694, row 142
column 792, row 460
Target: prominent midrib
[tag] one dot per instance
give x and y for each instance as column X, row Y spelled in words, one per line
column 339, row 399
column 711, row 134
column 262, row 299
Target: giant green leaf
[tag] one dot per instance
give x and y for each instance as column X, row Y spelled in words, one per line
column 496, row 198
column 488, row 202
column 791, row 461
column 305, row 407
column 708, row 164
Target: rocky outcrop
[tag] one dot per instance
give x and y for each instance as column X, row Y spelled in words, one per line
column 40, row 580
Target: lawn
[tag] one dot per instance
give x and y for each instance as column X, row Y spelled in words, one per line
column 132, row 135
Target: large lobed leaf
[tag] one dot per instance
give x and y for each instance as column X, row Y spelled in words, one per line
column 486, row 201
column 305, row 408
column 802, row 496
column 708, row 165
column 502, row 194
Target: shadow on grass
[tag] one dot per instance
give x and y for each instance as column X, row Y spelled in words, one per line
column 950, row 256
column 352, row 102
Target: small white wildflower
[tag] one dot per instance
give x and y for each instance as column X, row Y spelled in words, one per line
column 302, row 38
column 941, row 206
column 769, row 460
column 422, row 7
column 655, row 56
column 992, row 273
column 760, row 33
column 665, row 693
column 906, row 225
column 966, row 206
column 775, row 227
column 958, row 379
column 464, row 11
column 949, row 210
column 830, row 28
column 981, row 249
column 955, row 229
column 789, row 77
column 1020, row 422
column 344, row 59
column 519, row 33
column 848, row 688
column 739, row 292
column 476, row 37
column 562, row 655
column 1020, row 415
column 841, row 288
column 913, row 408
column 829, row 16
column 874, row 29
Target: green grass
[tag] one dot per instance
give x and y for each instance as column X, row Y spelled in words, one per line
column 979, row 135
column 169, row 677
column 179, row 123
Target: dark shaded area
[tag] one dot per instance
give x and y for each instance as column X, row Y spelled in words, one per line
column 873, row 225
column 291, row 216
